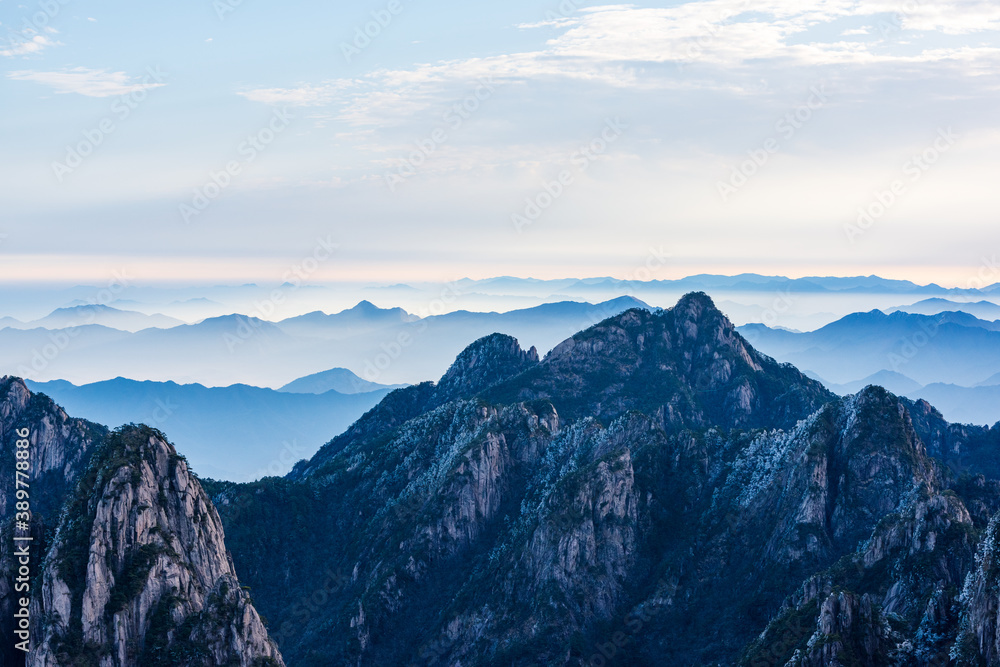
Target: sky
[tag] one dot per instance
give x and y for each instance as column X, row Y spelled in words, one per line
column 405, row 140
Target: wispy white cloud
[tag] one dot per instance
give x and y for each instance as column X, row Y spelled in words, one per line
column 951, row 17
column 722, row 46
column 27, row 46
column 551, row 23
column 724, row 33
column 304, row 95
column 88, row 82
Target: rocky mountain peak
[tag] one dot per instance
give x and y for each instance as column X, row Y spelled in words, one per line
column 60, row 445
column 684, row 366
column 13, row 393
column 697, row 307
column 486, row 362
column 139, row 574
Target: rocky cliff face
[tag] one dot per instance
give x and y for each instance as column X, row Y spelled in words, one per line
column 60, row 448
column 136, row 571
column 483, row 364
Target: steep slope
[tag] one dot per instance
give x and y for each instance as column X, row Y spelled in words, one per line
column 60, row 448
column 138, row 573
column 127, row 560
column 481, row 365
column 492, row 504
column 905, row 539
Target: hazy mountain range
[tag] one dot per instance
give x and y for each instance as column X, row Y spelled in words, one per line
column 799, row 300
column 950, row 358
column 386, row 346
column 655, row 491
column 392, row 347
column 237, row 433
column 979, row 404
column 76, row 316
column 984, row 310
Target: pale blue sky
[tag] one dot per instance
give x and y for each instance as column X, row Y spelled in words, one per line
column 697, row 88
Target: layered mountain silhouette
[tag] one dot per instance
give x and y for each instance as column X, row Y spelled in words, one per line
column 383, row 346
column 81, row 315
column 950, row 358
column 237, row 433
column 947, row 347
column 654, row 491
column 984, row 310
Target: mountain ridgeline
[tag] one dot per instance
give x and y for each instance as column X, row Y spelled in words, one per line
column 653, row 492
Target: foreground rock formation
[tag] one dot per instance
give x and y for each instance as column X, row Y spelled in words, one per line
column 136, row 571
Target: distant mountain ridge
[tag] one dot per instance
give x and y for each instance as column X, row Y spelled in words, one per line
column 365, row 316
column 384, row 346
column 340, row 380
column 950, row 358
column 946, row 347
column 107, row 316
column 984, row 310
column 897, row 383
column 236, row 433
column 960, row 405
column 752, row 282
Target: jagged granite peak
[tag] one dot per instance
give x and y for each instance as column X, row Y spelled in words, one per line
column 687, row 366
column 60, row 445
column 483, row 364
column 894, row 601
column 138, row 572
column 895, row 598
column 486, row 362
